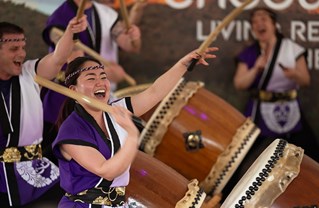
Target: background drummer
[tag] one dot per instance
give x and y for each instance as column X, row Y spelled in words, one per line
column 104, row 35
column 272, row 69
column 21, row 122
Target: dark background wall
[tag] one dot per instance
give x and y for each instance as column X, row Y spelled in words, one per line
column 169, row 33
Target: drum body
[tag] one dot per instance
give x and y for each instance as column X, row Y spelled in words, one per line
column 287, row 178
column 304, row 189
column 198, row 134
column 154, row 184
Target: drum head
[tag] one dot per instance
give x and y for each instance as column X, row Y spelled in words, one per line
column 268, row 177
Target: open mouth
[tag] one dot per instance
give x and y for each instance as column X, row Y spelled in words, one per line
column 100, row 94
column 262, row 31
column 17, row 63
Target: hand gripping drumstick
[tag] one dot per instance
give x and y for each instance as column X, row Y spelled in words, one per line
column 94, row 54
column 79, row 14
column 125, row 18
column 80, row 97
column 212, row 36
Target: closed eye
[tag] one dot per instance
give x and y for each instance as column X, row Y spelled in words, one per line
column 103, row 75
column 91, row 78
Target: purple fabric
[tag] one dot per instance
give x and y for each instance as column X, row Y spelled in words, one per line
column 66, row 203
column 43, row 168
column 74, row 178
column 249, row 56
column 27, row 180
column 60, row 19
column 52, row 101
column 29, row 193
column 265, row 131
column 81, row 129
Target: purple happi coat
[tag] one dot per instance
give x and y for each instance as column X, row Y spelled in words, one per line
column 97, row 37
column 24, row 181
column 81, row 129
column 277, row 118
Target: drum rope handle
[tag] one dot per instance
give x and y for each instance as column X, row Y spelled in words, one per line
column 264, row 182
column 256, row 185
column 194, row 197
column 156, row 127
column 230, row 158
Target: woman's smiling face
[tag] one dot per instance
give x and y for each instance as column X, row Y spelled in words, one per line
column 93, row 82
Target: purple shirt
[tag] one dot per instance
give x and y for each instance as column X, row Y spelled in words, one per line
column 81, row 129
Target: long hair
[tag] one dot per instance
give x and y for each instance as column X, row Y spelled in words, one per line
column 68, row 105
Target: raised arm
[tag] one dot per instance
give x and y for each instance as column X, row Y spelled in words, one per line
column 145, row 100
column 137, row 11
column 128, row 40
column 50, row 65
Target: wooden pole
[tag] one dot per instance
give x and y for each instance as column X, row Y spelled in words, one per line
column 130, row 80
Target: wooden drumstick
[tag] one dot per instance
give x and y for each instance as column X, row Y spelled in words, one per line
column 136, row 12
column 80, row 10
column 212, row 36
column 95, row 103
column 72, row 94
column 130, row 80
column 124, row 14
column 125, row 18
column 79, row 14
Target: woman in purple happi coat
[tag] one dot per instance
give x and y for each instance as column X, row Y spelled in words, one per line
column 105, row 35
column 95, row 149
column 273, row 68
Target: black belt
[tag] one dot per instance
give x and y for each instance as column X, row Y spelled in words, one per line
column 268, row 96
column 112, row 196
column 17, row 154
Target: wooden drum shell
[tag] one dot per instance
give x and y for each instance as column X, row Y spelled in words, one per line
column 217, row 121
column 154, row 184
column 303, row 191
column 185, row 112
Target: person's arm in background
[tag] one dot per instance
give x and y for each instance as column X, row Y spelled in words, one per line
column 128, row 40
column 300, row 74
column 51, row 64
column 136, row 12
column 244, row 77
